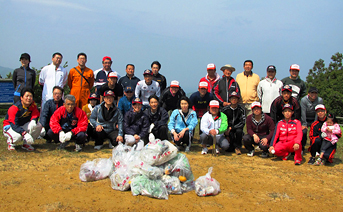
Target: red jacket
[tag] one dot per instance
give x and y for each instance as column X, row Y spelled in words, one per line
column 78, row 123
column 287, row 132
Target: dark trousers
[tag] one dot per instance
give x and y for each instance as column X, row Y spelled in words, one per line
column 79, row 138
column 315, row 146
column 248, row 141
column 186, row 140
column 101, row 136
column 235, row 139
column 161, row 132
column 304, row 139
column 90, row 132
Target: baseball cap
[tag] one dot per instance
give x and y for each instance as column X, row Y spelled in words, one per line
column 137, row 100
column 203, row 85
column 128, row 88
column 214, row 103
column 289, row 106
column 320, row 106
column 112, row 74
column 295, row 67
column 234, row 93
column 148, row 72
column 109, row 93
column 313, row 90
column 211, row 66
column 93, row 96
column 106, row 58
column 271, row 68
column 25, row 56
column 286, row 88
column 174, row 84
column 256, row 104
column 227, row 66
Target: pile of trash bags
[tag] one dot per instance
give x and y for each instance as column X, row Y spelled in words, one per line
column 155, row 171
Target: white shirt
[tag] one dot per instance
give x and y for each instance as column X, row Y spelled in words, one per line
column 51, row 78
column 144, row 91
column 267, row 91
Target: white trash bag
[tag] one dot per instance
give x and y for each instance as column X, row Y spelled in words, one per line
column 96, row 169
column 206, row 185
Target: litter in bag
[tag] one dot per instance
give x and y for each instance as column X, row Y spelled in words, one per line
column 142, row 185
column 206, row 185
column 96, row 169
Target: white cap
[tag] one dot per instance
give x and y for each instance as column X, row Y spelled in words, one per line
column 211, row 66
column 320, row 106
column 256, row 104
column 214, row 103
column 295, row 67
column 203, row 85
column 174, row 83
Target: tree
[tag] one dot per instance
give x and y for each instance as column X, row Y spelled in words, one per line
column 9, row 75
column 328, row 80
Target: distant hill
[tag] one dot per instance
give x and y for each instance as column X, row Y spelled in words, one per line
column 4, row 71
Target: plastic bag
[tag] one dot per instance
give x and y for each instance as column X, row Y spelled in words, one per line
column 96, row 169
column 120, row 179
column 172, row 184
column 152, row 188
column 158, row 152
column 151, row 172
column 206, row 185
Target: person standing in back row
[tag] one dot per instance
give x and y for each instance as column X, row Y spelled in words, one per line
column 248, row 82
column 80, row 81
column 298, row 86
column 211, row 77
column 155, row 67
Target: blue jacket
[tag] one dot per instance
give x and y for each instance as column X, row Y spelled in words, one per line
column 125, row 104
column 50, row 107
column 97, row 119
column 136, row 123
column 176, row 121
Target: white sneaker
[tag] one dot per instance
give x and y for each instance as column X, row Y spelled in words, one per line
column 188, row 149
column 110, row 145
column 204, row 151
column 251, row 153
column 28, row 147
column 98, row 147
column 217, row 151
column 78, row 148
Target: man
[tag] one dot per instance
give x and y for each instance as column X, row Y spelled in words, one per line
column 248, row 82
column 21, row 121
column 23, row 76
column 155, row 67
column 279, row 102
column 52, row 75
column 316, row 137
column 49, row 108
column 146, row 88
column 158, row 119
column 170, row 97
column 112, row 85
column 101, row 74
column 260, row 128
column 69, row 123
column 211, row 77
column 299, row 87
column 287, row 136
column 136, row 125
column 201, row 99
column 214, row 123
column 107, row 121
column 269, row 89
column 225, row 86
column 129, row 80
column 236, row 120
column 125, row 103
column 80, row 81
column 308, row 113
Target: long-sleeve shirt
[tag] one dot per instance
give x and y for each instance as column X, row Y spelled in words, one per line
column 248, row 86
column 267, row 91
column 298, row 87
column 308, row 112
column 276, row 108
column 235, row 117
column 144, row 91
column 218, row 123
column 287, row 132
column 264, row 127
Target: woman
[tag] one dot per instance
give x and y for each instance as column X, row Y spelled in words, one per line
column 182, row 123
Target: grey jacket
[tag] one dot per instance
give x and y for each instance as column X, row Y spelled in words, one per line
column 308, row 113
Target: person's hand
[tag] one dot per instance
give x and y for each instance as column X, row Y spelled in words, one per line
column 303, row 127
column 137, row 138
column 226, row 104
column 182, row 133
column 213, row 132
column 256, row 138
column 62, row 137
column 271, row 150
column 68, row 136
column 227, row 132
column 176, row 136
column 119, row 138
column 28, row 138
column 296, row 147
column 31, row 125
column 42, row 132
column 99, row 128
column 151, row 127
column 264, row 141
column 329, row 130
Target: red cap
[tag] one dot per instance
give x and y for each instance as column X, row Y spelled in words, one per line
column 112, row 74
column 106, row 58
column 211, row 66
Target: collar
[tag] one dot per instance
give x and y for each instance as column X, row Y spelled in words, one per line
column 246, row 74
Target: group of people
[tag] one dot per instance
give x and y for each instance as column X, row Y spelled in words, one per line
column 277, row 114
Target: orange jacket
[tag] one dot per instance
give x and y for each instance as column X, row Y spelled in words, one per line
column 79, row 87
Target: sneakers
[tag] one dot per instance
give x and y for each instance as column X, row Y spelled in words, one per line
column 286, row 157
column 204, row 151
column 251, row 153
column 11, row 147
column 188, row 149
column 98, row 147
column 110, row 145
column 78, row 148
column 28, row 147
column 62, row 146
column 311, row 161
column 297, row 162
column 238, row 151
column 264, row 155
column 217, row 151
column 319, row 162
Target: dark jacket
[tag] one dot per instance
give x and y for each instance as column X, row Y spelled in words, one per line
column 276, row 109
column 161, row 80
column 159, row 119
column 125, row 81
column 18, row 78
column 49, row 108
column 223, row 88
column 136, row 123
column 168, row 101
column 235, row 117
column 265, row 127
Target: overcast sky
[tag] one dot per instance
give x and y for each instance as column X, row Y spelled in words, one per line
column 183, row 35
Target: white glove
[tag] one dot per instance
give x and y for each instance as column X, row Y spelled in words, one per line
column 151, row 127
column 28, row 138
column 42, row 132
column 151, row 137
column 31, row 125
column 324, row 135
column 62, row 137
column 68, row 136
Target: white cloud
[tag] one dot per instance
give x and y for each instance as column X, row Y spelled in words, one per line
column 53, row 3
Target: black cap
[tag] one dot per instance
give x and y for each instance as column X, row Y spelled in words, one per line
column 313, row 90
column 25, row 56
column 271, row 68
